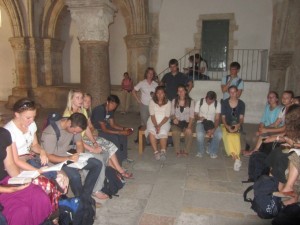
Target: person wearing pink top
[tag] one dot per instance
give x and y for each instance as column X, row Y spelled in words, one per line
column 127, row 87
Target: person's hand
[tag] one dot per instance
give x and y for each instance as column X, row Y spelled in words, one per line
column 74, row 157
column 188, row 130
column 210, row 133
column 44, row 158
column 269, row 139
column 262, row 130
column 175, row 121
column 97, row 150
column 157, row 129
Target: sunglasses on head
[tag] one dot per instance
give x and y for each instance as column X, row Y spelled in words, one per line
column 29, row 104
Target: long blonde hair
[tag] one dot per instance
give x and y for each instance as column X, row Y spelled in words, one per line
column 70, row 97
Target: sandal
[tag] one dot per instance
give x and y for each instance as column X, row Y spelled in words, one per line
column 289, row 194
column 127, row 175
column 100, row 195
column 157, row 155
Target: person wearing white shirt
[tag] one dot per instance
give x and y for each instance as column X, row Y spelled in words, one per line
column 146, row 88
column 207, row 111
column 158, row 124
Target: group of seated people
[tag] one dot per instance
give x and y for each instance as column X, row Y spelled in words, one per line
column 80, row 129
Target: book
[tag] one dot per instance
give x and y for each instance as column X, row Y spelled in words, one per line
column 24, row 177
column 56, row 167
column 82, row 161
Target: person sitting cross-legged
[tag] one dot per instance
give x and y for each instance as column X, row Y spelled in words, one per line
column 207, row 113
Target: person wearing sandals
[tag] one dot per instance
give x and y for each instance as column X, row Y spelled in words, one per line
column 182, row 118
column 208, row 112
column 233, row 111
column 102, row 149
column 158, row 124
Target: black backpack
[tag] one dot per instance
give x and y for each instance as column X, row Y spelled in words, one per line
column 51, row 120
column 86, row 211
column 290, row 215
column 113, row 182
column 257, row 166
column 264, row 203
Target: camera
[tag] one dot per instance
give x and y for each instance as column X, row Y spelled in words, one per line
column 232, row 127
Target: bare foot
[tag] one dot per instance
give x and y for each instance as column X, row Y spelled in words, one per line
column 101, row 195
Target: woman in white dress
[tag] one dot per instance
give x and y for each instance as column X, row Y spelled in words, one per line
column 158, row 124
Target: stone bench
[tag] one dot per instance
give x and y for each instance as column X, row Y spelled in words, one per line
column 142, row 134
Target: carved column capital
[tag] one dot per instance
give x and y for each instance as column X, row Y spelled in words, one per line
column 92, row 18
column 138, row 41
column 280, row 60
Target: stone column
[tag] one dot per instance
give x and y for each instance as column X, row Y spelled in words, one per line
column 138, row 55
column 92, row 19
column 51, row 68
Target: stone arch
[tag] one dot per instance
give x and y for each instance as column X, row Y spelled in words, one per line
column 135, row 13
column 50, row 18
column 15, row 17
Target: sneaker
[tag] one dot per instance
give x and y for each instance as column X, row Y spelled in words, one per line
column 163, row 156
column 213, row 156
column 157, row 155
column 200, row 155
column 237, row 165
column 207, row 151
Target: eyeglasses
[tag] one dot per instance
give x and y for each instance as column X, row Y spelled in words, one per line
column 233, row 112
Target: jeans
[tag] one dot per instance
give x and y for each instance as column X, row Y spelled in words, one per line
column 94, row 167
column 214, row 145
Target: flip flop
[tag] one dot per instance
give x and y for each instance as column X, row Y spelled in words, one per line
column 127, row 175
column 100, row 195
column 289, row 194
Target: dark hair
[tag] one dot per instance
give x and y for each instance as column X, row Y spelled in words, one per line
column 150, row 69
column 187, row 98
column 126, row 73
column 292, row 122
column 173, row 62
column 211, row 95
column 235, row 65
column 24, row 104
column 275, row 93
column 232, row 86
column 113, row 98
column 291, row 93
column 160, row 88
column 78, row 120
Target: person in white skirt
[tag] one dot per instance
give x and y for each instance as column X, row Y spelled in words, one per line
column 158, row 124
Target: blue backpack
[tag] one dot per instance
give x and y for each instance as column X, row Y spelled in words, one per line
column 264, row 203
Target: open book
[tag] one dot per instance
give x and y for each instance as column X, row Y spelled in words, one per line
column 82, row 161
column 27, row 176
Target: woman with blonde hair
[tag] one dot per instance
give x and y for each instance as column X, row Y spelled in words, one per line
column 101, row 148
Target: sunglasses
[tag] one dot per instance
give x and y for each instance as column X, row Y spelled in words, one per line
column 233, row 112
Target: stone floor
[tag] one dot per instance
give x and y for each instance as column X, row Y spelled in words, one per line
column 183, row 191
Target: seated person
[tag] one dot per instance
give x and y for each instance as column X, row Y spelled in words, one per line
column 233, row 111
column 104, row 122
column 25, row 204
column 278, row 159
column 70, row 131
column 182, row 118
column 207, row 113
column 279, row 125
column 27, row 152
column 268, row 119
column 158, row 125
column 102, row 149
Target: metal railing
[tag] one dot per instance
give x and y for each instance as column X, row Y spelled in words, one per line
column 253, row 64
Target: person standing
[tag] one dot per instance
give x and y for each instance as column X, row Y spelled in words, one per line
column 127, row 86
column 147, row 88
column 232, row 79
column 173, row 79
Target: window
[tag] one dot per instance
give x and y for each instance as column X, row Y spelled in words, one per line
column 215, row 36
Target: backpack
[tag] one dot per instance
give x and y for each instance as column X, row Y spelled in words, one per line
column 51, row 120
column 290, row 215
column 113, row 182
column 264, row 203
column 237, row 83
column 77, row 210
column 257, row 166
column 201, row 103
